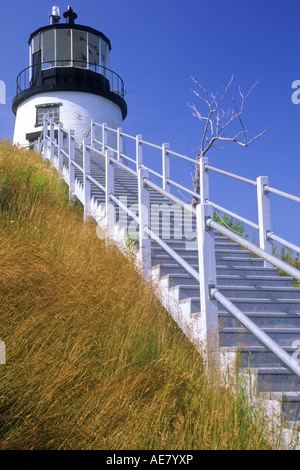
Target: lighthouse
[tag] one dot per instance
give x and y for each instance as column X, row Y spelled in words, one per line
column 68, row 79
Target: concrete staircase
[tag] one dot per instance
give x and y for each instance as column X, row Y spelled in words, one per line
column 269, row 300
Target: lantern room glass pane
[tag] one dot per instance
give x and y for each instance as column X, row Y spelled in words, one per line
column 104, row 59
column 36, row 43
column 48, row 49
column 93, row 51
column 79, row 48
column 104, row 53
column 63, row 47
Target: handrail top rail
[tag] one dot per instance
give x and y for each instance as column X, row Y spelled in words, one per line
column 282, row 193
column 207, row 166
column 231, row 175
column 138, row 138
column 295, row 273
column 267, row 188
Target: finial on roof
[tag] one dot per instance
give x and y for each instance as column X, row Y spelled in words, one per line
column 70, row 15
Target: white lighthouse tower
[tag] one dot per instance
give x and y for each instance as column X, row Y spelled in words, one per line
column 69, row 79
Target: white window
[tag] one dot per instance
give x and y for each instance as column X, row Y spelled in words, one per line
column 52, row 110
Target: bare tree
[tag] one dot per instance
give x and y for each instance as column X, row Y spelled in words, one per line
column 217, row 122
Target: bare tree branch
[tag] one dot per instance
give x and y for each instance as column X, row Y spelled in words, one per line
column 216, row 121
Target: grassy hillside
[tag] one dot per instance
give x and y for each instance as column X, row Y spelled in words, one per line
column 93, row 360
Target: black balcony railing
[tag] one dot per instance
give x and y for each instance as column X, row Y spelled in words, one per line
column 64, row 72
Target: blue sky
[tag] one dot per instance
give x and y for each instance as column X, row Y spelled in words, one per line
column 157, row 46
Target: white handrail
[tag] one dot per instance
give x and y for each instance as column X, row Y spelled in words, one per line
column 267, row 188
column 184, row 157
column 283, row 242
column 127, row 158
column 158, row 240
column 231, row 175
column 96, row 183
column 151, row 145
column 209, row 222
column 258, row 332
column 170, row 196
column 282, row 193
column 77, row 166
column 77, row 140
column 233, row 214
column 121, row 165
column 278, row 263
column 127, row 135
column 177, row 185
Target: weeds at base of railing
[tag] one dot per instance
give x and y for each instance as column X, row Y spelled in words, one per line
column 130, row 247
column 276, row 429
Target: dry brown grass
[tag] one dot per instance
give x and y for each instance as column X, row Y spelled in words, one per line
column 93, row 360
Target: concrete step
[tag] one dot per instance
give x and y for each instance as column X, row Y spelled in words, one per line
column 243, row 272
column 256, row 356
column 239, row 262
column 264, row 305
column 241, row 336
column 254, row 281
column 290, row 405
column 262, row 319
column 250, row 305
column 221, row 238
column 267, row 292
column 231, row 262
column 277, row 380
column 245, row 292
column 177, row 244
column 232, row 280
column 220, row 253
column 247, row 271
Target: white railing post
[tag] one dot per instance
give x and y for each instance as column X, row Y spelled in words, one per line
column 45, row 132
column 104, row 136
column 109, row 186
column 41, row 149
column 144, row 253
column 139, row 152
column 46, row 141
column 71, row 166
column 123, row 218
column 119, row 143
column 204, row 180
column 165, row 166
column 92, row 133
column 86, row 182
column 60, row 139
column 209, row 327
column 51, row 141
column 264, row 215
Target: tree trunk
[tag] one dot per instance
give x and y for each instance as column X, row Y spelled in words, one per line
column 196, row 182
